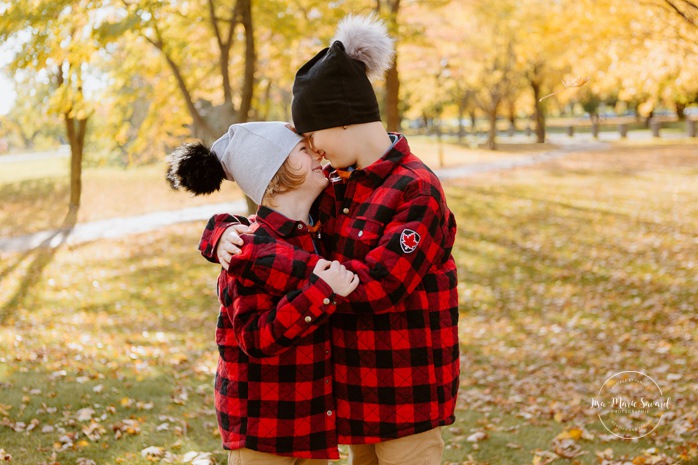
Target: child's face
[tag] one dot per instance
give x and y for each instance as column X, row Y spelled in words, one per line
column 335, row 145
column 306, row 161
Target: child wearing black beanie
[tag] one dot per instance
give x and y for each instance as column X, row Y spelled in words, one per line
column 395, row 345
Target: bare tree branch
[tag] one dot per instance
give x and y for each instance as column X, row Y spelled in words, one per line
column 688, row 18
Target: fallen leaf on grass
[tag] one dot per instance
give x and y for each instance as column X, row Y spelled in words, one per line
column 66, row 441
column 199, row 458
column 478, row 436
column 180, row 396
column 144, row 405
column 33, row 424
column 652, row 457
column 4, row 456
column 85, row 461
column 126, row 426
column 567, row 448
column 153, row 453
column 85, row 414
column 575, row 433
column 688, row 451
column 94, row 431
column 19, row 426
column 544, row 457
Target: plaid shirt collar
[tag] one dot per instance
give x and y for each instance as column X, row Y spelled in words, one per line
column 376, row 172
column 279, row 223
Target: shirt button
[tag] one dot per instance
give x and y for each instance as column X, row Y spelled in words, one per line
column 346, row 211
column 326, row 301
column 334, row 302
column 361, row 233
column 329, row 413
column 308, row 319
column 300, row 226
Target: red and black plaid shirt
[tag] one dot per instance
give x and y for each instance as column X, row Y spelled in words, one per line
column 274, row 377
column 395, row 346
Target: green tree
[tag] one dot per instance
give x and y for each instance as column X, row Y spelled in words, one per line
column 193, row 37
column 28, row 118
column 57, row 40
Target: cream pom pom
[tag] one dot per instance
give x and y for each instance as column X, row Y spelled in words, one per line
column 366, row 39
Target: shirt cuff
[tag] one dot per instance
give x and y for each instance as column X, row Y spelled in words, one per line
column 323, row 301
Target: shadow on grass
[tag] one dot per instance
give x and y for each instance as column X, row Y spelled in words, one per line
column 38, row 259
column 30, row 206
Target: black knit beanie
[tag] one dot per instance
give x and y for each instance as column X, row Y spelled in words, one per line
column 333, row 88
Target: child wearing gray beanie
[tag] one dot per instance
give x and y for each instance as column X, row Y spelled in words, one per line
column 395, row 346
column 272, row 392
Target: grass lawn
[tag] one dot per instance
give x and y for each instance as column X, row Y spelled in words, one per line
column 569, row 272
column 30, row 205
column 34, row 193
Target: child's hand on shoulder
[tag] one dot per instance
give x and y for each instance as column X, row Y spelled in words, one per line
column 341, row 280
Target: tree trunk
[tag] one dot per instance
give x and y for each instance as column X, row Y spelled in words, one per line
column 538, row 111
column 680, row 107
column 224, row 45
column 28, row 141
column 245, row 8
column 250, row 60
column 461, row 116
column 649, row 118
column 75, row 130
column 392, row 79
column 492, row 133
column 392, row 99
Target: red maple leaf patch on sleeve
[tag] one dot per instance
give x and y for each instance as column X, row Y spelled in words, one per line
column 409, row 240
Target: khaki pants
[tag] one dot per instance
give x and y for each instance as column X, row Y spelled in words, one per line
column 419, row 449
column 252, row 457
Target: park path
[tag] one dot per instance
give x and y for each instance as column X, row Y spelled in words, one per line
column 118, row 227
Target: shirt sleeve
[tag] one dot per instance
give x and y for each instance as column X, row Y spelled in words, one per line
column 215, row 228
column 276, row 299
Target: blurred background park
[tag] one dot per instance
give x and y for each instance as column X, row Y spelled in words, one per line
column 565, row 135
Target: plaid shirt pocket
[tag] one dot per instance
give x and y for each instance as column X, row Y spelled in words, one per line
column 362, row 235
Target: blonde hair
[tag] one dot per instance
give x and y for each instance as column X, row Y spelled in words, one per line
column 286, row 179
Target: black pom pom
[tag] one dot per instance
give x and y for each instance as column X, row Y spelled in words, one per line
column 195, row 168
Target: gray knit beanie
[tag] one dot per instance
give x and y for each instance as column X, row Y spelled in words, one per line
column 252, row 153
column 249, row 154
